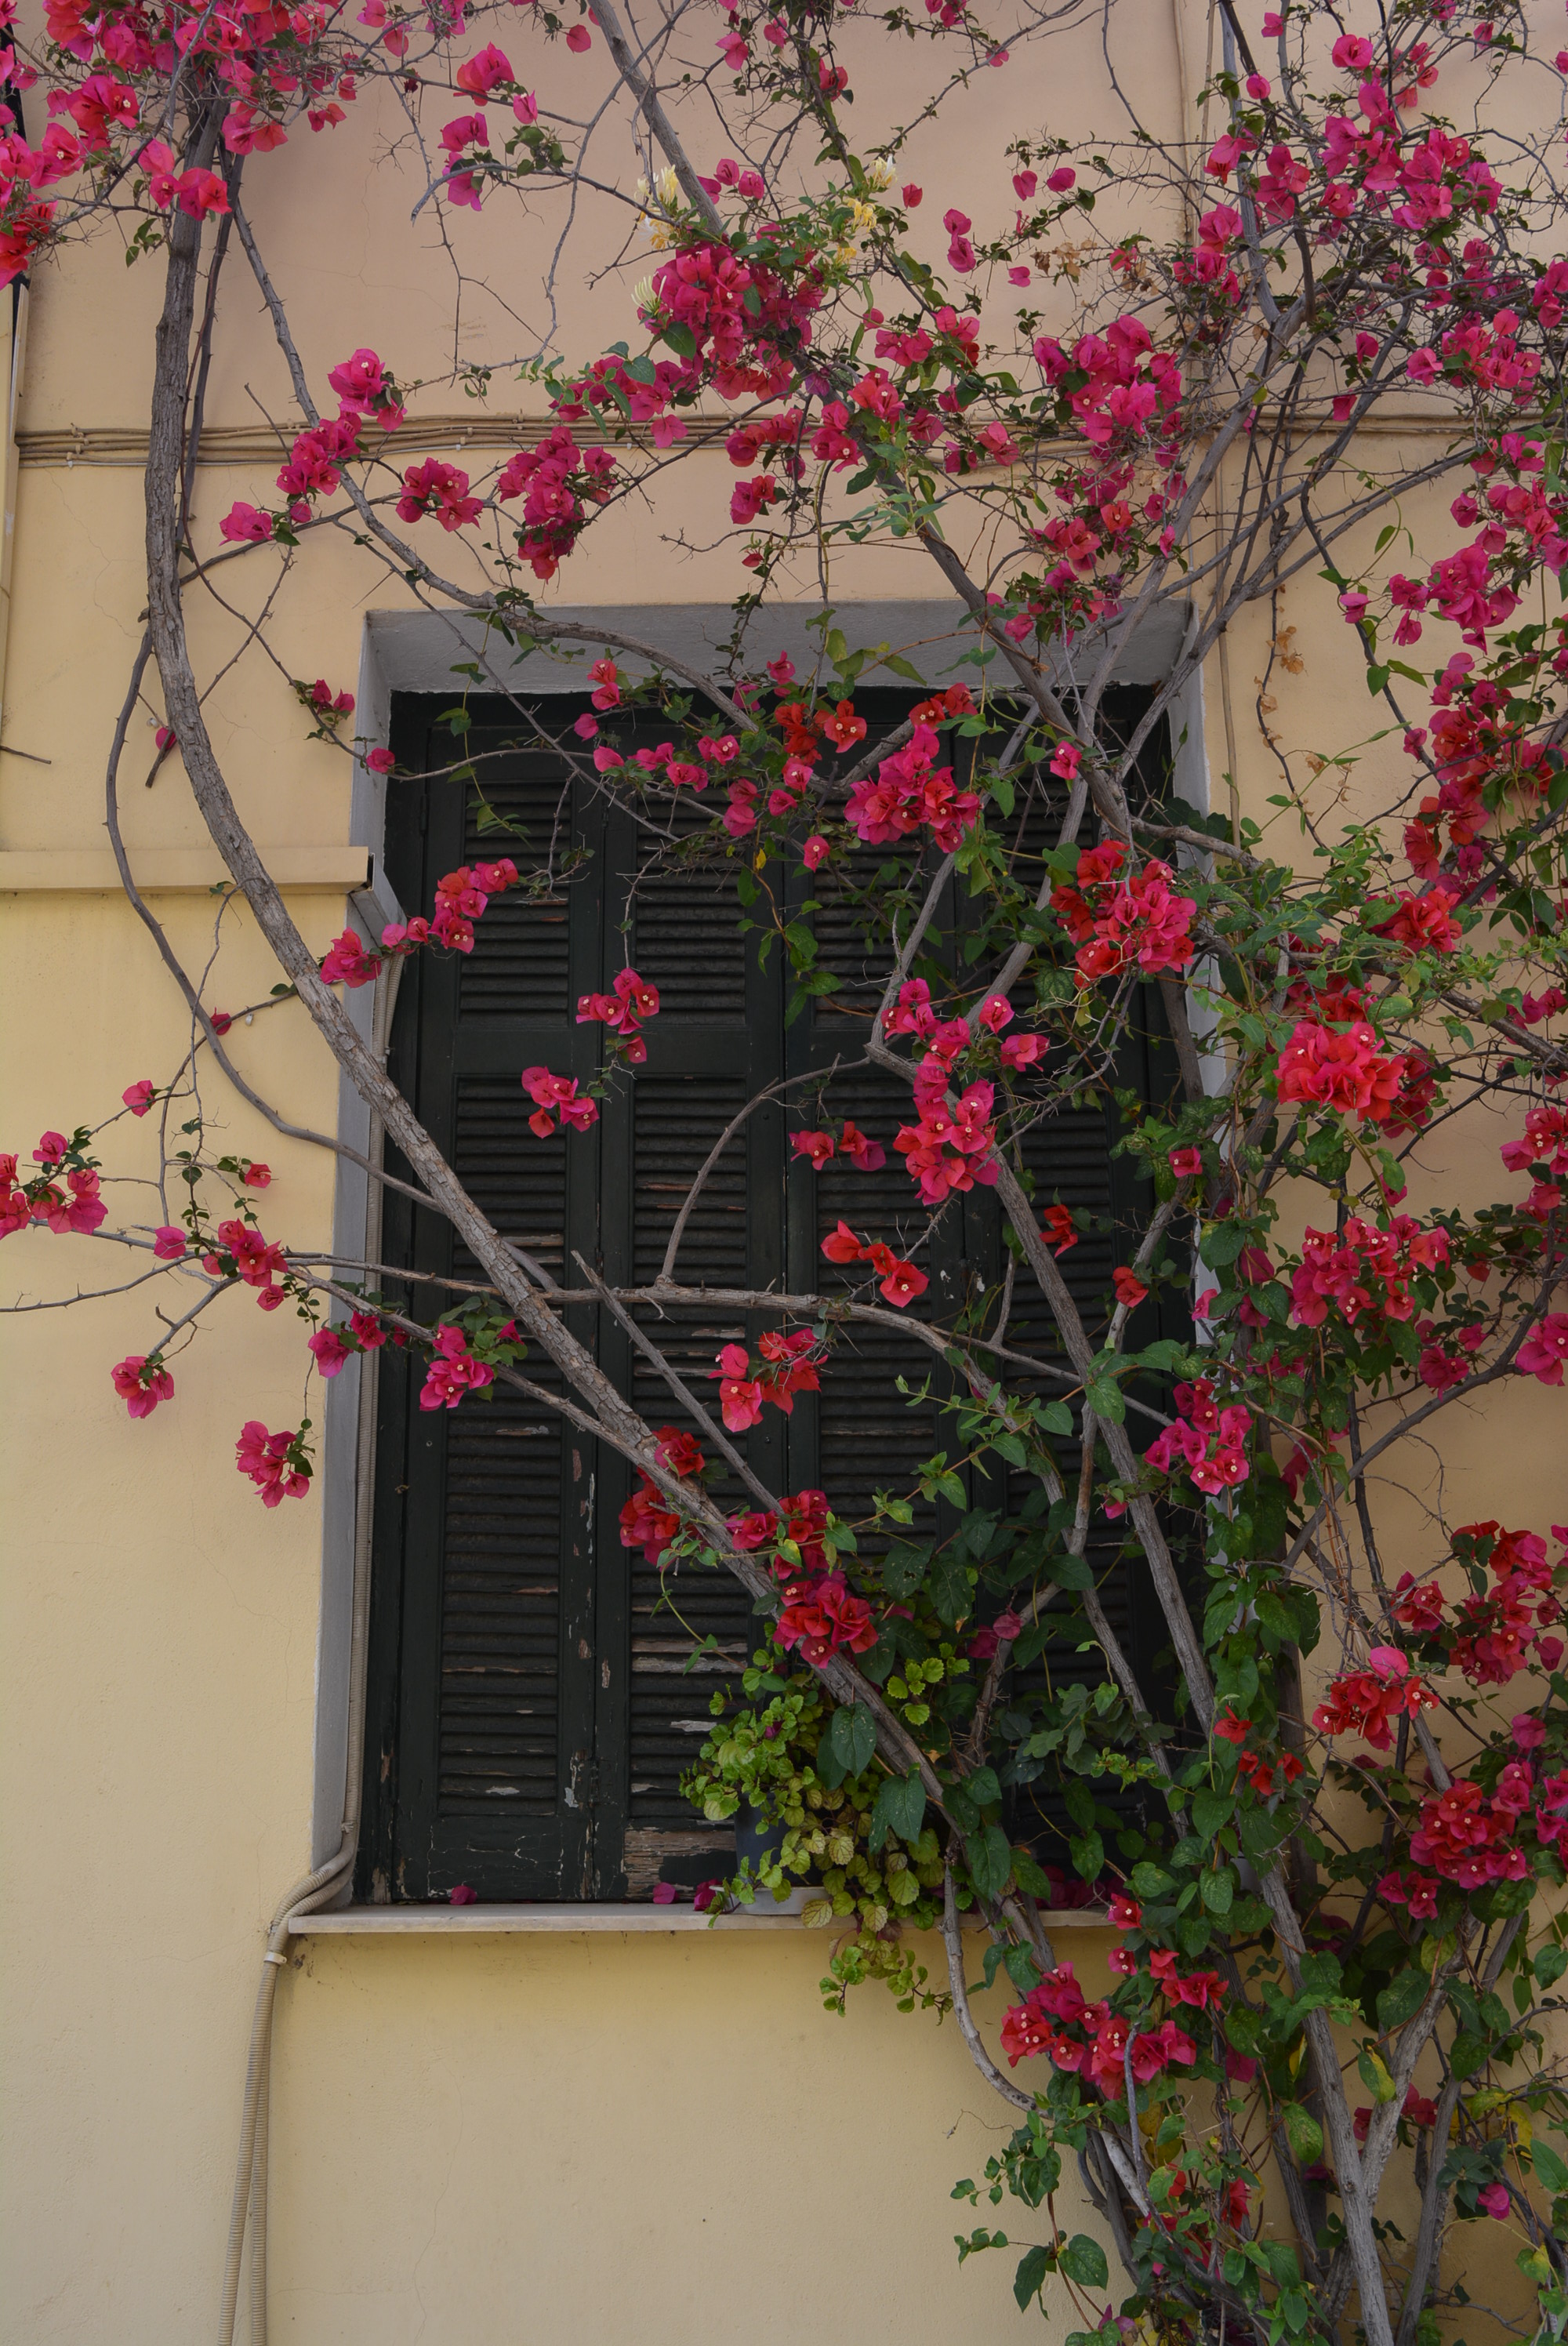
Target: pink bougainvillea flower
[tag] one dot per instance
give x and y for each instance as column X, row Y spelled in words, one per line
column 139, row 1096
column 461, row 1895
column 329, row 1351
column 141, row 1383
column 865, row 1154
column 1544, row 1351
column 274, row 1461
column 815, row 1146
column 169, row 1244
column 452, row 1371
column 1185, row 1162
column 579, row 38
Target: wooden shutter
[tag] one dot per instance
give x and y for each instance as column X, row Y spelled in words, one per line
column 530, row 1708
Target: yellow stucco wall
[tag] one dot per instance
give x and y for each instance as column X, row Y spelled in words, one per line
column 569, row 2139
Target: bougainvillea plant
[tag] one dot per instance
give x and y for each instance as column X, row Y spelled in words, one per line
column 1138, row 386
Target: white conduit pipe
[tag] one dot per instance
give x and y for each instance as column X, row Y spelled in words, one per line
column 315, row 1890
column 321, row 1887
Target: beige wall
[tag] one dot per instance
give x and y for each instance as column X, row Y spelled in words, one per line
column 584, row 2139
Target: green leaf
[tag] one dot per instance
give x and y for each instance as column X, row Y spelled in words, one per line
column 1222, row 1244
column 681, row 340
column 1105, row 1398
column 1303, row 2133
column 853, row 1736
column 1031, row 2271
column 1030, row 1877
column 904, row 1567
column 1552, row 2170
column 1550, row 1964
column 1244, row 2027
column 1467, row 2053
column 1209, row 1811
column 1021, row 1969
column 1374, row 2076
column 1084, row 2260
column 990, row 1860
column 1072, row 1572
column 950, row 1586
column 1320, row 1975
column 1217, row 1891
column 900, row 667
column 1088, row 1855
column 1057, row 1418
column 1149, row 1881
column 899, row 1809
column 1405, row 1994
column 984, row 1788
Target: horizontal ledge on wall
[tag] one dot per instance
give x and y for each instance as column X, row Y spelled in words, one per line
column 123, row 449
column 342, row 870
column 465, row 1922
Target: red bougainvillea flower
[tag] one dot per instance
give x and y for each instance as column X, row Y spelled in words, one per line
column 141, row 1383
column 1057, row 1228
column 815, row 1146
column 740, row 1395
column 556, row 1095
column 452, row 1371
column 138, row 1097
column 1365, row 1702
column 865, row 1154
column 274, row 1461
column 1544, row 1351
column 1341, row 1069
column 900, row 1281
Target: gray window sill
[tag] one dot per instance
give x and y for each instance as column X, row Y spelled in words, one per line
column 464, row 1922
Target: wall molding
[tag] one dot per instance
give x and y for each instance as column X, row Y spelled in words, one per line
column 238, row 445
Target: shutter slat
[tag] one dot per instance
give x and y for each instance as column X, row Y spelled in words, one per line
column 501, row 1587
column 519, row 964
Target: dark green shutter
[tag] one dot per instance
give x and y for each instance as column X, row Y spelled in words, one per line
column 530, row 1710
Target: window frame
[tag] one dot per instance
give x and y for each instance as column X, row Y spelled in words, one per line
column 379, row 1847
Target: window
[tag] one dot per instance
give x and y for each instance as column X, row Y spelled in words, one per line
column 530, row 1708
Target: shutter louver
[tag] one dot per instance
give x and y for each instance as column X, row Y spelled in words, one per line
column 501, row 1585
column 519, row 967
